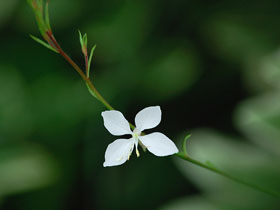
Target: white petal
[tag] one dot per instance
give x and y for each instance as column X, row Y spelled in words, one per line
column 115, row 123
column 159, row 144
column 148, row 118
column 118, row 152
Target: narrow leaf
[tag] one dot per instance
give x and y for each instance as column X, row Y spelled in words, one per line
column 47, row 18
column 91, row 92
column 90, row 59
column 85, row 40
column 43, row 43
column 81, row 39
column 37, row 8
column 184, row 146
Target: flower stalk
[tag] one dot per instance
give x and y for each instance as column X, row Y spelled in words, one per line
column 186, row 157
column 46, row 31
column 42, row 18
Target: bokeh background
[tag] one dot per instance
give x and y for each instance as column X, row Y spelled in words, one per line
column 213, row 67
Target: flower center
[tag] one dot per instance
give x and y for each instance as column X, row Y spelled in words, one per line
column 136, row 135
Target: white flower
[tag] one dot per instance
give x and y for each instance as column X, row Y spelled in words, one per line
column 120, row 150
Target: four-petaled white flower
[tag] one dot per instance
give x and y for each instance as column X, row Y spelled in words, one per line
column 120, row 150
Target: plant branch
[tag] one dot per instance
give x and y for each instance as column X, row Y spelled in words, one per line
column 86, row 63
column 46, row 32
column 229, row 176
column 184, row 155
column 80, row 72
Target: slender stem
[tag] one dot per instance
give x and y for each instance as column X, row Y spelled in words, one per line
column 183, row 156
column 86, row 62
column 229, row 176
column 80, row 72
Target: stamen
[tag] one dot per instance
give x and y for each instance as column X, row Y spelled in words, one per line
column 131, row 148
column 137, row 152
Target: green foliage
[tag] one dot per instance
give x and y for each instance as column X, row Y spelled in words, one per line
column 41, row 12
column 91, row 92
column 198, row 68
column 237, row 158
column 83, row 42
column 184, row 145
column 37, row 6
column 90, row 60
column 47, row 18
column 43, row 43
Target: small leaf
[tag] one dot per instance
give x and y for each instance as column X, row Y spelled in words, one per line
column 184, row 146
column 47, row 18
column 81, row 39
column 91, row 92
column 85, row 41
column 43, row 43
column 37, row 6
column 90, row 59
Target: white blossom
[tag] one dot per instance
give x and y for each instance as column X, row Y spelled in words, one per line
column 119, row 151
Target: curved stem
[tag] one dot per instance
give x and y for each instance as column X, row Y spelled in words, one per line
column 184, row 155
column 86, row 63
column 80, row 72
column 229, row 176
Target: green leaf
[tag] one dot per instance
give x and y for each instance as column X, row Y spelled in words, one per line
column 184, row 146
column 43, row 43
column 47, row 18
column 90, row 59
column 91, row 92
column 85, row 40
column 37, row 6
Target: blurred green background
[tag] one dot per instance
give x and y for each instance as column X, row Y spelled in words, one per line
column 213, row 67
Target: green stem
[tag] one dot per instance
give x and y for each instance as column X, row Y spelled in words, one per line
column 86, row 63
column 80, row 72
column 229, row 176
column 184, row 155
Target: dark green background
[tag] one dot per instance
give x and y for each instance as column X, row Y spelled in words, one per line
column 213, row 67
